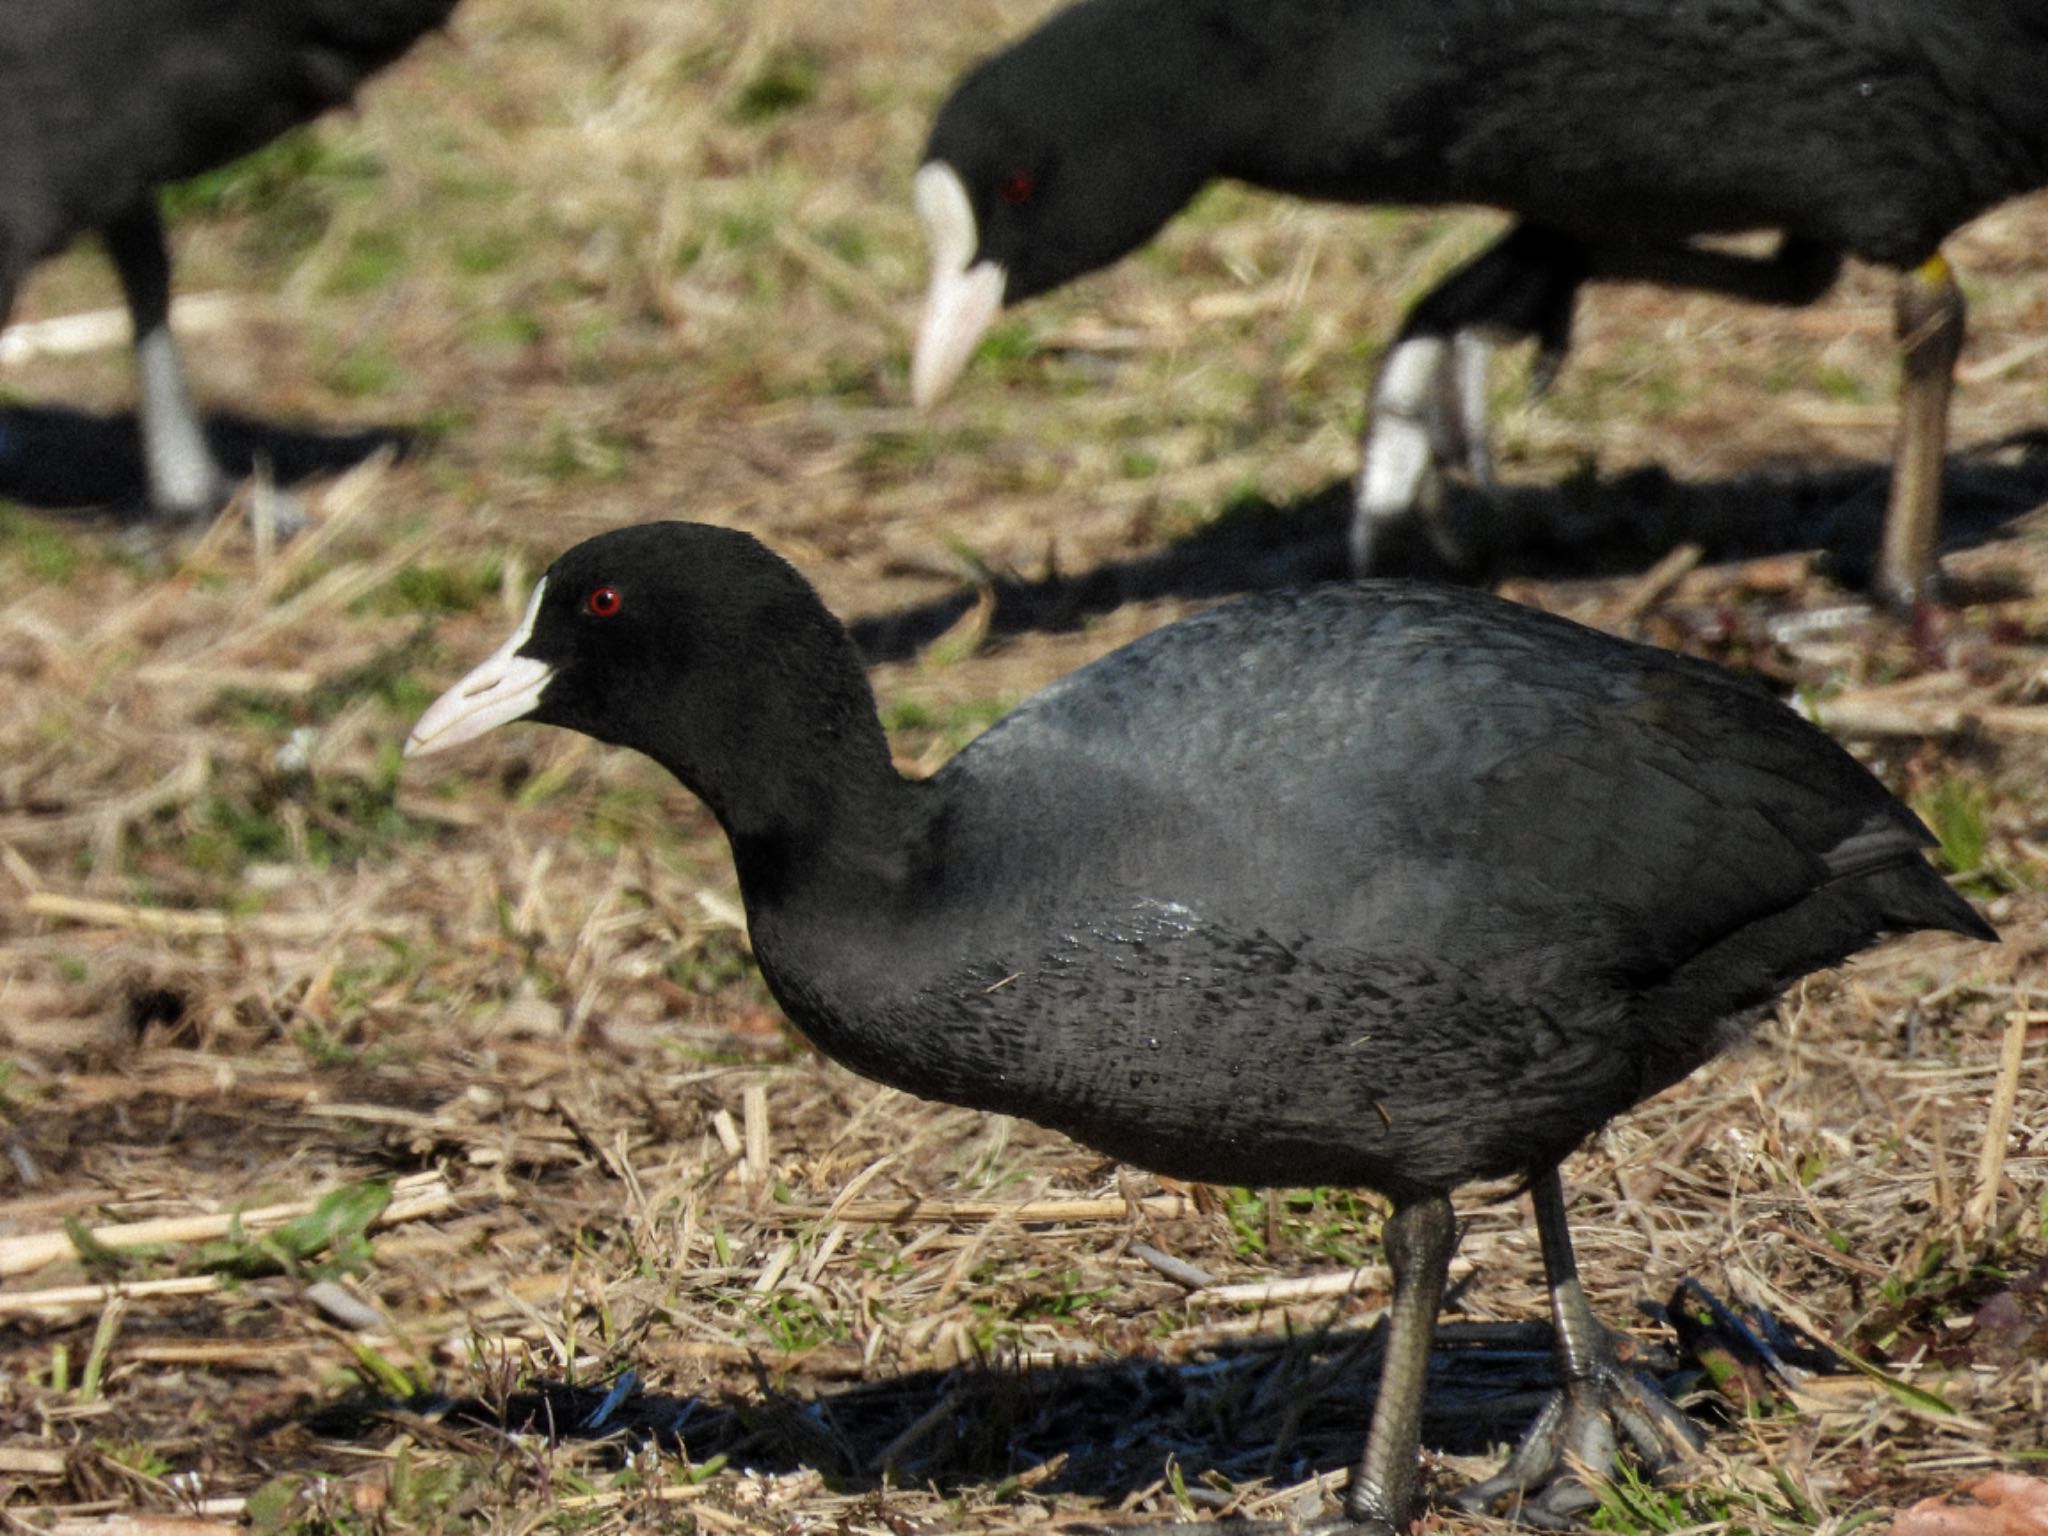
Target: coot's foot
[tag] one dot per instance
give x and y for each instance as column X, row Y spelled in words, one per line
column 1602, row 1404
column 273, row 516
column 1584, row 1424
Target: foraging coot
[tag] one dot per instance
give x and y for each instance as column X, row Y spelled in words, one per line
column 104, row 101
column 1363, row 884
column 1618, row 130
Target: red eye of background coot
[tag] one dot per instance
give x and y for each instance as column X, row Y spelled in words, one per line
column 1017, row 187
column 604, row 602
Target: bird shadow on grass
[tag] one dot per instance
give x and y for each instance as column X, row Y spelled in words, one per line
column 1584, row 526
column 61, row 460
column 1279, row 1408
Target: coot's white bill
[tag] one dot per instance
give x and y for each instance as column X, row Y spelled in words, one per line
column 964, row 295
column 502, row 687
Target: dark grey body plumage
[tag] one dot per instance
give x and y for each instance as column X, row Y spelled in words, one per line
column 1873, row 127
column 1357, row 885
column 1368, row 884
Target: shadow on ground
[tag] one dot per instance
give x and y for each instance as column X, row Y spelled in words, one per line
column 1285, row 1409
column 58, row 459
column 1581, row 527
column 1279, row 1407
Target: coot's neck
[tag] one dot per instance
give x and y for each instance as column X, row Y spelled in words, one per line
column 832, row 846
column 786, row 750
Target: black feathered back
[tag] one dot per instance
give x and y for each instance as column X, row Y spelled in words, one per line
column 1873, row 127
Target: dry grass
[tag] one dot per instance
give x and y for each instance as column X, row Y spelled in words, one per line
column 641, row 259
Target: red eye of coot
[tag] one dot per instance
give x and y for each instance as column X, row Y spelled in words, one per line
column 1017, row 187
column 604, row 602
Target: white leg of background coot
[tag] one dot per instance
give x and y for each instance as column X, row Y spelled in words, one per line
column 1400, row 471
column 184, row 481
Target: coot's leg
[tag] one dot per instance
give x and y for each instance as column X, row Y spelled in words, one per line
column 1598, row 1397
column 11, row 274
column 184, row 481
column 1929, row 325
column 1382, row 1497
column 1929, row 319
column 1428, row 405
column 1794, row 275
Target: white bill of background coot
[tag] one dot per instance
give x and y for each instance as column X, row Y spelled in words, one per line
column 1618, row 131
column 1365, row 884
column 104, row 101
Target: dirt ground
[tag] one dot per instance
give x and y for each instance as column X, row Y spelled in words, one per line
column 546, row 1221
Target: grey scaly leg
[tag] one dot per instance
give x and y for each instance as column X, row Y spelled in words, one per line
column 1930, row 332
column 1598, row 1398
column 1383, row 1497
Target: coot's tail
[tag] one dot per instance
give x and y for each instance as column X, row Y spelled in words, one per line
column 1912, row 896
column 1882, row 862
column 1878, row 883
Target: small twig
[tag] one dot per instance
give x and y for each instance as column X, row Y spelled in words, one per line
column 754, row 1124
column 1655, row 584
column 219, row 1354
column 1899, row 711
column 1373, row 1277
column 69, row 1298
column 102, row 330
column 1366, row 1277
column 637, row 1493
column 412, row 1199
column 27, row 1461
column 1980, row 1217
column 727, row 1130
column 123, row 1524
column 1179, row 1271
column 913, row 1209
column 855, row 1185
column 774, row 1268
column 179, row 923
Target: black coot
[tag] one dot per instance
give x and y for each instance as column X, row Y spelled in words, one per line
column 1373, row 885
column 104, row 101
column 1619, row 130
